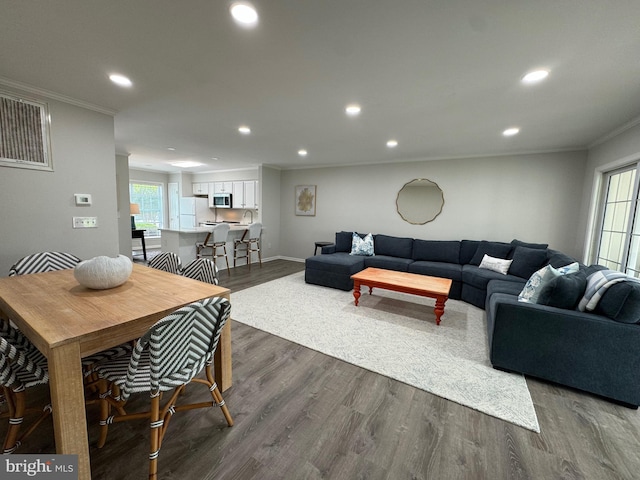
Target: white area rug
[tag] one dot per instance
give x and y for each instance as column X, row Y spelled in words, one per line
column 395, row 335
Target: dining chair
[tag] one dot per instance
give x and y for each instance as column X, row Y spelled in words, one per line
column 20, row 369
column 167, row 261
column 216, row 239
column 202, row 269
column 43, row 262
column 23, row 366
column 167, row 357
column 248, row 244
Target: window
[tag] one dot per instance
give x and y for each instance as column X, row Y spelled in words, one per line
column 619, row 241
column 148, row 196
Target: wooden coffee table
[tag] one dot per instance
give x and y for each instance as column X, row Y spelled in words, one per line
column 413, row 283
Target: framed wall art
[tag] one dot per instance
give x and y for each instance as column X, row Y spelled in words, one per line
column 306, row 200
column 24, row 133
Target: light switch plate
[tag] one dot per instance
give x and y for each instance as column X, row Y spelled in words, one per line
column 85, row 222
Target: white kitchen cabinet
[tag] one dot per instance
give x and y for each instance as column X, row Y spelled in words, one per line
column 222, row 187
column 251, row 194
column 238, row 194
column 200, row 188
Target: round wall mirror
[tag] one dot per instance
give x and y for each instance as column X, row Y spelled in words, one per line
column 420, row 201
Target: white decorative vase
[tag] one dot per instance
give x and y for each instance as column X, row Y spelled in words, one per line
column 103, row 272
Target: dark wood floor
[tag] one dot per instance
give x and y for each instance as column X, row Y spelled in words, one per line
column 300, row 414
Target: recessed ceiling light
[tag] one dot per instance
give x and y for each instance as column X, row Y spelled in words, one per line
column 302, row 152
column 120, row 80
column 353, row 109
column 244, row 14
column 535, row 76
column 171, row 149
column 244, row 130
column 392, row 143
column 215, row 158
column 186, row 164
column 509, row 132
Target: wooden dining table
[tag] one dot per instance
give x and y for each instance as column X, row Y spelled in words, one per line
column 67, row 321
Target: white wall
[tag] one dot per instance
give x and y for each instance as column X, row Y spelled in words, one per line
column 269, row 194
column 37, row 207
column 529, row 197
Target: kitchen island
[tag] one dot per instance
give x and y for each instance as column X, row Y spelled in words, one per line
column 182, row 241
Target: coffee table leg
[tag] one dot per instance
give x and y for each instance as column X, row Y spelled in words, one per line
column 356, row 291
column 439, row 309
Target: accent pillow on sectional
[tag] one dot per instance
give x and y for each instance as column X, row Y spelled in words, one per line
column 518, row 243
column 621, row 302
column 527, row 261
column 542, row 277
column 564, row 291
column 362, row 246
column 493, row 249
column 343, row 241
column 499, row 265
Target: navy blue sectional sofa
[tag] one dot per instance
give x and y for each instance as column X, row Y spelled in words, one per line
column 597, row 352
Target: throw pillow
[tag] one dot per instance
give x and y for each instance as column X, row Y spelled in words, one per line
column 527, row 261
column 362, row 246
column 499, row 265
column 493, row 249
column 539, row 279
column 564, row 291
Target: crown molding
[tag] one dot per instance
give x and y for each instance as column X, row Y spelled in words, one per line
column 55, row 96
column 621, row 129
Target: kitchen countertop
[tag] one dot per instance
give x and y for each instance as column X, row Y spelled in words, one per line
column 234, row 227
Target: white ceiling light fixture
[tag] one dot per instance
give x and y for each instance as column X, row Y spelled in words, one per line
column 535, row 76
column 510, row 132
column 302, row 152
column 171, row 149
column 353, row 109
column 120, row 80
column 244, row 14
column 392, row 143
column 243, row 129
column 186, row 164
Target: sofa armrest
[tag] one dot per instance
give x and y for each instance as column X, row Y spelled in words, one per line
column 329, row 248
column 582, row 350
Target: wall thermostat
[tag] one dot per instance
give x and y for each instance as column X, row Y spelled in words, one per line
column 83, row 199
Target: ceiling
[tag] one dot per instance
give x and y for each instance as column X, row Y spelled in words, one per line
column 442, row 77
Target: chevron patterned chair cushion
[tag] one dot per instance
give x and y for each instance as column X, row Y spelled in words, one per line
column 167, row 261
column 202, row 269
column 43, row 262
column 168, row 357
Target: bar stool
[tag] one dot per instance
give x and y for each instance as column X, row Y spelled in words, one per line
column 216, row 238
column 249, row 243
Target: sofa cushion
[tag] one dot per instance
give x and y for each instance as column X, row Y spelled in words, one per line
column 527, row 261
column 343, row 241
column 518, row 243
column 437, row 269
column 387, row 262
column 362, row 246
column 393, row 246
column 493, row 249
column 467, row 251
column 564, row 291
column 621, row 302
column 499, row 265
column 436, row 251
column 558, row 259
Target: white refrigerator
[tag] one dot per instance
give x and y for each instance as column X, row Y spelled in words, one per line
column 190, row 209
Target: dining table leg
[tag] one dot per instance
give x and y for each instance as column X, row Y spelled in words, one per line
column 68, row 404
column 222, row 359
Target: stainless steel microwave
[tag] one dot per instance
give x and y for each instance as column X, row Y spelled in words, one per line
column 222, row 200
